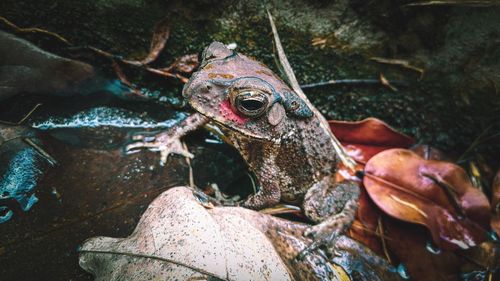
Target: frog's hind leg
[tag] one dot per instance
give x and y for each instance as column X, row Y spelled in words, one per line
column 333, row 206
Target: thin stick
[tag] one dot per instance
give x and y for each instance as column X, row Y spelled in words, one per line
column 188, row 161
column 380, row 230
column 33, row 30
column 40, row 151
column 344, row 157
column 24, row 118
column 466, row 3
column 349, row 82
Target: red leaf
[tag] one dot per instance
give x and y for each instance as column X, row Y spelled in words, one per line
column 435, row 194
column 363, row 139
column 364, row 227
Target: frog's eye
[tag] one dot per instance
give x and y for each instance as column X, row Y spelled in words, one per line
column 250, row 103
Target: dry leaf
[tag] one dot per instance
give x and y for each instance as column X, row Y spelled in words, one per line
column 160, row 37
column 435, row 194
column 363, row 139
column 177, row 238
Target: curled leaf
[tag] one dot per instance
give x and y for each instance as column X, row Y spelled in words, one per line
column 363, row 139
column 161, row 34
column 177, row 238
column 435, row 194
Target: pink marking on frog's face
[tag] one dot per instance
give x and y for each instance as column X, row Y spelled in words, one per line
column 228, row 113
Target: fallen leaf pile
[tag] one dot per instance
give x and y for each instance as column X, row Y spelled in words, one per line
column 409, row 185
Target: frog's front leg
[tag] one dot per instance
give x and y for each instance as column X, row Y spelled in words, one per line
column 270, row 192
column 333, row 206
column 168, row 141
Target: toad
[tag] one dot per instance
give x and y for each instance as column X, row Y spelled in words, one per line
column 281, row 136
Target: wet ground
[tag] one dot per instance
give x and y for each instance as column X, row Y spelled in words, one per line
column 96, row 190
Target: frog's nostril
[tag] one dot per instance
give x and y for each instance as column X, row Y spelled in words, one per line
column 204, row 87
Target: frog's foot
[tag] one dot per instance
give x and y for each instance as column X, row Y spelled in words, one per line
column 163, row 142
column 223, row 199
column 324, row 233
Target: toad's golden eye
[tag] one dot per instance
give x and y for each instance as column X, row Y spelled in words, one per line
column 250, row 103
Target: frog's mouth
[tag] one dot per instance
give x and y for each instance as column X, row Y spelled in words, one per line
column 225, row 129
column 222, row 130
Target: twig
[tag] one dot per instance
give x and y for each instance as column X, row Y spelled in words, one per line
column 386, row 83
column 33, row 30
column 402, row 63
column 349, row 82
column 344, row 157
column 24, row 118
column 478, row 140
column 467, row 3
column 40, row 151
column 380, row 232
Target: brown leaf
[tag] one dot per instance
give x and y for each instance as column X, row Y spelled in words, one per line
column 160, row 37
column 408, row 245
column 178, row 238
column 435, row 194
column 364, row 228
column 363, row 139
column 484, row 259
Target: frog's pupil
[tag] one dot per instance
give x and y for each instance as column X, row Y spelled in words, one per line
column 251, row 104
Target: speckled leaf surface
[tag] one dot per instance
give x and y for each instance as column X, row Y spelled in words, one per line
column 179, row 238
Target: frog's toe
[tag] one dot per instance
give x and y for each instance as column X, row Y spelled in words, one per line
column 323, row 234
column 174, row 147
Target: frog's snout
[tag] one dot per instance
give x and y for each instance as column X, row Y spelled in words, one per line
column 199, row 88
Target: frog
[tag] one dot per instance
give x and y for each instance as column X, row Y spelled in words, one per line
column 281, row 137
